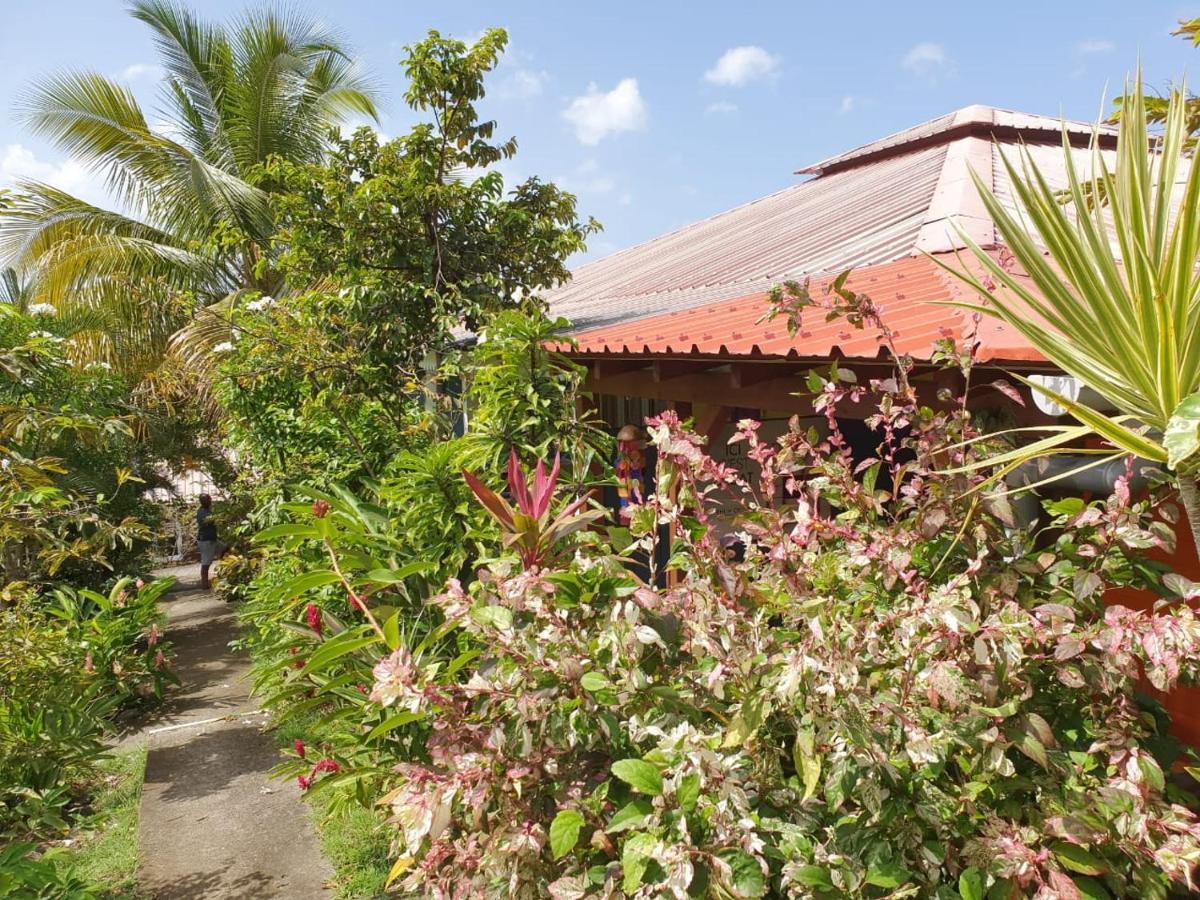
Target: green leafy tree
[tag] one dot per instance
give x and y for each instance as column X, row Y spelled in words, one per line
column 523, row 394
column 389, row 250
column 192, row 226
column 1118, row 313
column 1155, row 109
column 70, row 461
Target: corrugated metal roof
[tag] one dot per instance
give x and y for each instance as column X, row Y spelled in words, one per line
column 908, row 292
column 876, row 209
column 977, row 119
column 856, row 218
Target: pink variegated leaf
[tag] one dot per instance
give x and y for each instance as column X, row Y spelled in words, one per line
column 493, row 502
column 517, row 485
column 1008, row 391
column 543, row 486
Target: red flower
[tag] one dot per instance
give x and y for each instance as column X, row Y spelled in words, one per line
column 326, row 765
column 299, row 745
column 304, row 781
column 314, row 619
column 320, row 509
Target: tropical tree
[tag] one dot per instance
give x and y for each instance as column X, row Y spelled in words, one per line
column 191, row 223
column 388, row 250
column 1112, row 292
column 1155, row 107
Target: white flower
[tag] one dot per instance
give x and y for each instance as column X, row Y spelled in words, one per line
column 395, row 680
column 223, row 347
column 42, row 309
column 260, row 304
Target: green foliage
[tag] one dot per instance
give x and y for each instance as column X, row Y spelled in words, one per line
column 104, row 851
column 388, row 251
column 892, row 693
column 1114, row 303
column 69, row 662
column 68, row 454
column 523, row 394
column 265, row 85
column 27, row 875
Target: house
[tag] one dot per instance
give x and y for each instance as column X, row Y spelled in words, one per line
column 678, row 320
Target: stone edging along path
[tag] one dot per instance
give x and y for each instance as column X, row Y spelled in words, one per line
column 213, row 823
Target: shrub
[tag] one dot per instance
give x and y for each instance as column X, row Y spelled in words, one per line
column 26, row 875
column 234, row 573
column 892, row 693
column 68, row 663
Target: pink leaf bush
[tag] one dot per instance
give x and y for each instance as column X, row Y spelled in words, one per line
column 891, row 691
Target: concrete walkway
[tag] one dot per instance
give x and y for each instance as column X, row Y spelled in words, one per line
column 213, row 824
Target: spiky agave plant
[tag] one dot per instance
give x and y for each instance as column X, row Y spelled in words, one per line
column 1113, row 292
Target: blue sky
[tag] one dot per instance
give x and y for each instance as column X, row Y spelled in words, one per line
column 660, row 113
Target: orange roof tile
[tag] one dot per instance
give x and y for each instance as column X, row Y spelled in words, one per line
column 908, row 292
column 876, row 210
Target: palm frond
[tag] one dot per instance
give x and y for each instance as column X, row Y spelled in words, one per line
column 1112, row 295
column 198, row 62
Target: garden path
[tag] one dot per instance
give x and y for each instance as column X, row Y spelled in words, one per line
column 213, row 824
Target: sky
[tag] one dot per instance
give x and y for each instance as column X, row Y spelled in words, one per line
column 657, row 114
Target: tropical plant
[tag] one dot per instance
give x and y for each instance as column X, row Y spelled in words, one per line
column 68, row 664
column 891, row 694
column 1108, row 292
column 522, row 392
column 390, row 249
column 530, row 529
column 27, row 874
column 1156, row 108
column 67, row 449
column 196, row 224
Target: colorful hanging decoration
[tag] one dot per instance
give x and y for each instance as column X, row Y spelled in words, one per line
column 630, row 469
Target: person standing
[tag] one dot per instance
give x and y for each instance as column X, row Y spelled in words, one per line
column 206, row 538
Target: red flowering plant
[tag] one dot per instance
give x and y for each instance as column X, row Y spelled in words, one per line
column 529, row 528
column 890, row 692
column 340, row 589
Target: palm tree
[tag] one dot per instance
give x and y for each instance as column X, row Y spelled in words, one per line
column 1114, row 292
column 14, row 289
column 192, row 225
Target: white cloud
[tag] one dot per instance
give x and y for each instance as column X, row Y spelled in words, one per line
column 721, row 106
column 149, row 71
column 926, row 59
column 846, row 105
column 741, row 65
column 1095, row 45
column 597, row 114
column 521, row 84
column 347, row 128
column 18, row 162
column 587, row 178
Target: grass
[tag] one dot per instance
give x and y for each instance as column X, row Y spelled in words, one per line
column 105, row 849
column 351, row 835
